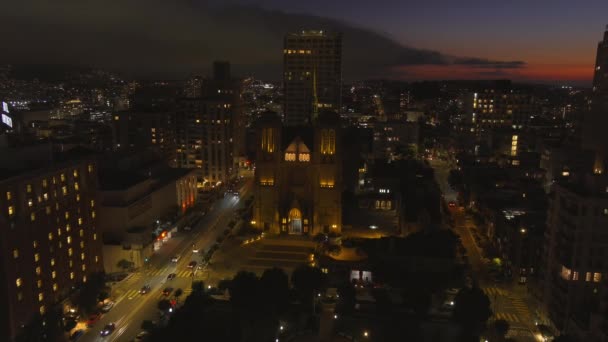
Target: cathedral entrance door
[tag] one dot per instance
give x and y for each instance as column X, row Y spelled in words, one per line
column 295, row 221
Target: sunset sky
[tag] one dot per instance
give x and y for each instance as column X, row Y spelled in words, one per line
column 525, row 40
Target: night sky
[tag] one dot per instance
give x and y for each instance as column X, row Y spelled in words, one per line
column 533, row 40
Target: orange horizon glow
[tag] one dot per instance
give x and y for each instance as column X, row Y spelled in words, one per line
column 531, row 72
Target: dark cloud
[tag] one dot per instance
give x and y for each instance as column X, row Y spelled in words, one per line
column 180, row 37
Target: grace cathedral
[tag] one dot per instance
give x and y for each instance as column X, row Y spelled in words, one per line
column 298, row 176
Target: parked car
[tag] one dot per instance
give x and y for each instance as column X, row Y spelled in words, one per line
column 76, row 335
column 142, row 335
column 108, row 329
column 192, row 264
column 107, row 307
column 167, row 291
column 145, row 289
column 171, row 276
column 175, row 258
column 195, row 249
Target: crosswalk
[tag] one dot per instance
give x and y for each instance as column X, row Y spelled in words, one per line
column 181, row 274
column 134, row 294
column 509, row 317
column 493, row 291
column 520, row 307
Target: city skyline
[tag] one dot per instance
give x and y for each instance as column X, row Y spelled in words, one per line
column 523, row 42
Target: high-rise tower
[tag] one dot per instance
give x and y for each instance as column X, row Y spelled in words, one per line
column 312, row 75
column 600, row 76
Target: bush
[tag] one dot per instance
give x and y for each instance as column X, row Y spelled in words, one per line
column 334, row 249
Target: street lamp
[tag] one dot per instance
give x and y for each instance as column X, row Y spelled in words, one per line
column 365, row 333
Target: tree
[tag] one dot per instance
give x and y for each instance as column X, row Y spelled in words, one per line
column 501, row 327
column 163, row 305
column 244, row 290
column 274, row 289
column 564, row 338
column 307, row 281
column 177, row 294
column 89, row 294
column 223, row 284
column 348, row 297
column 471, row 311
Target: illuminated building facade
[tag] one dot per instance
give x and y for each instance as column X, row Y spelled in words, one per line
column 600, row 76
column 210, row 130
column 312, row 75
column 574, row 257
column 49, row 241
column 298, row 180
column 494, row 108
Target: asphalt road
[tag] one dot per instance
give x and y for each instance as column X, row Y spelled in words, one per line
column 132, row 308
column 508, row 298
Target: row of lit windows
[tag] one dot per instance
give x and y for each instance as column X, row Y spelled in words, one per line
column 327, row 183
column 267, row 182
column 568, row 274
column 302, row 157
column 300, row 52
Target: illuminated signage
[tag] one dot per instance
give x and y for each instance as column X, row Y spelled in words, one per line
column 7, row 120
column 5, row 107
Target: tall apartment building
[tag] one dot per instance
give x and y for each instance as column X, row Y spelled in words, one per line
column 600, row 76
column 575, row 251
column 596, row 119
column 210, row 130
column 194, row 87
column 146, row 129
column 312, row 75
column 49, row 238
column 495, row 108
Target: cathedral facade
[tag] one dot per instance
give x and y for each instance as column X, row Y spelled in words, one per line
column 298, row 177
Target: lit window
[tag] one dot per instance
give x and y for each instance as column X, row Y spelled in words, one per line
column 53, row 274
column 28, row 188
column 96, row 258
column 84, row 279
column 35, row 243
column 44, row 183
column 19, row 296
column 94, row 236
column 11, row 210
column 8, row 196
column 93, row 214
column 588, row 276
column 52, row 261
column 69, row 239
column 76, row 187
column 64, row 190
column 30, row 202
column 597, row 277
column 70, row 251
column 304, row 157
column 40, row 297
column 68, row 228
column 54, row 180
column 54, row 286
column 50, row 236
column 33, row 216
column 81, row 244
column 18, row 282
column 80, row 221
column 75, row 173
column 81, row 233
column 83, row 267
column 38, row 270
column 71, row 275
column 39, row 283
column 63, row 177
column 77, row 197
column 566, row 273
column 92, row 203
column 71, row 263
column 290, row 156
column 81, row 256
column 90, row 168
column 42, row 310
column 48, row 209
column 67, row 215
column 58, row 231
column 37, row 257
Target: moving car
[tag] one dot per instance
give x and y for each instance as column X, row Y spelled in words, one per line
column 142, row 335
column 93, row 319
column 175, row 258
column 192, row 264
column 167, row 291
column 107, row 307
column 144, row 289
column 195, row 249
column 452, row 204
column 171, row 276
column 108, row 329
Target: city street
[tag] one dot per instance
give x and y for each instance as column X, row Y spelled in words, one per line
column 508, row 299
column 132, row 308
